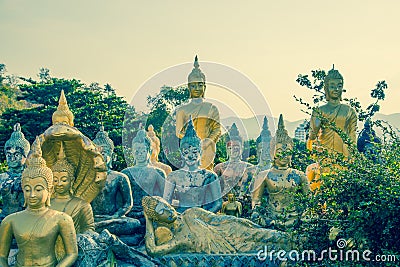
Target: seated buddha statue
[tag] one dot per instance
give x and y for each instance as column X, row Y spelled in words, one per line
column 37, row 228
column 145, row 179
column 279, row 182
column 334, row 112
column 16, row 149
column 192, row 186
column 115, row 200
column 233, row 172
column 205, row 117
column 155, row 150
column 199, row 231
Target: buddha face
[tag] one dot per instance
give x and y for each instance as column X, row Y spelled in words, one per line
column 190, row 154
column 282, row 159
column 234, row 149
column 106, row 152
column 62, row 183
column 35, row 192
column 15, row 157
column 334, row 89
column 231, row 197
column 197, row 89
column 165, row 213
column 141, row 153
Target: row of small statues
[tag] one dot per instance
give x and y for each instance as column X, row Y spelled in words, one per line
column 150, row 197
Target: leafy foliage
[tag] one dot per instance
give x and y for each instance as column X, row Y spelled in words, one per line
column 360, row 196
column 91, row 108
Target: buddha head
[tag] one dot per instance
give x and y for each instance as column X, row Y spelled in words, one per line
column 16, row 149
column 106, row 146
column 63, row 115
column 37, row 180
column 158, row 209
column 263, row 143
column 64, row 175
column 234, row 144
column 231, row 197
column 155, row 143
column 196, row 81
column 190, row 145
column 141, row 148
column 333, row 85
column 282, row 146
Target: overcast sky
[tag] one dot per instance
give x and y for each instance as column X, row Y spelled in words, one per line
column 126, row 43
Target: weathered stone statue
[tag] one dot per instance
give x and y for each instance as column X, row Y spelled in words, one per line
column 145, row 179
column 155, row 150
column 264, row 157
column 233, row 173
column 263, row 142
column 279, row 182
column 342, row 115
column 231, row 206
column 37, row 228
column 200, row 231
column 368, row 143
column 16, row 149
column 205, row 117
column 192, row 186
column 115, row 200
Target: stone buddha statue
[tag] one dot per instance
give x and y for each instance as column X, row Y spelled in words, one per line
column 37, row 228
column 342, row 115
column 368, row 143
column 155, row 150
column 233, row 173
column 231, row 206
column 16, row 149
column 115, row 200
column 192, row 186
column 279, row 182
column 205, row 117
column 199, row 231
column 145, row 179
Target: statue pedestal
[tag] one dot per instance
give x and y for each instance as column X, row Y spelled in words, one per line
column 221, row 260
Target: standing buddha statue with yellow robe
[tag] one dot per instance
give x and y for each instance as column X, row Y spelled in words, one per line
column 343, row 116
column 205, row 117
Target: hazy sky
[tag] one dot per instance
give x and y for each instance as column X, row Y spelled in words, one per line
column 125, row 43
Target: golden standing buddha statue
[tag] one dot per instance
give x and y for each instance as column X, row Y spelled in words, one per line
column 37, row 228
column 279, row 182
column 342, row 115
column 205, row 117
column 155, row 150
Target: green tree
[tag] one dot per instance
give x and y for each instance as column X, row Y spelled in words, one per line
column 91, row 108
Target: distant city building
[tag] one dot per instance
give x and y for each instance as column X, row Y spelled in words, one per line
column 300, row 132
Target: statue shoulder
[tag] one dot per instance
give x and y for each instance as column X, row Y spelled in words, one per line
column 209, row 176
column 127, row 171
column 159, row 171
column 118, row 175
